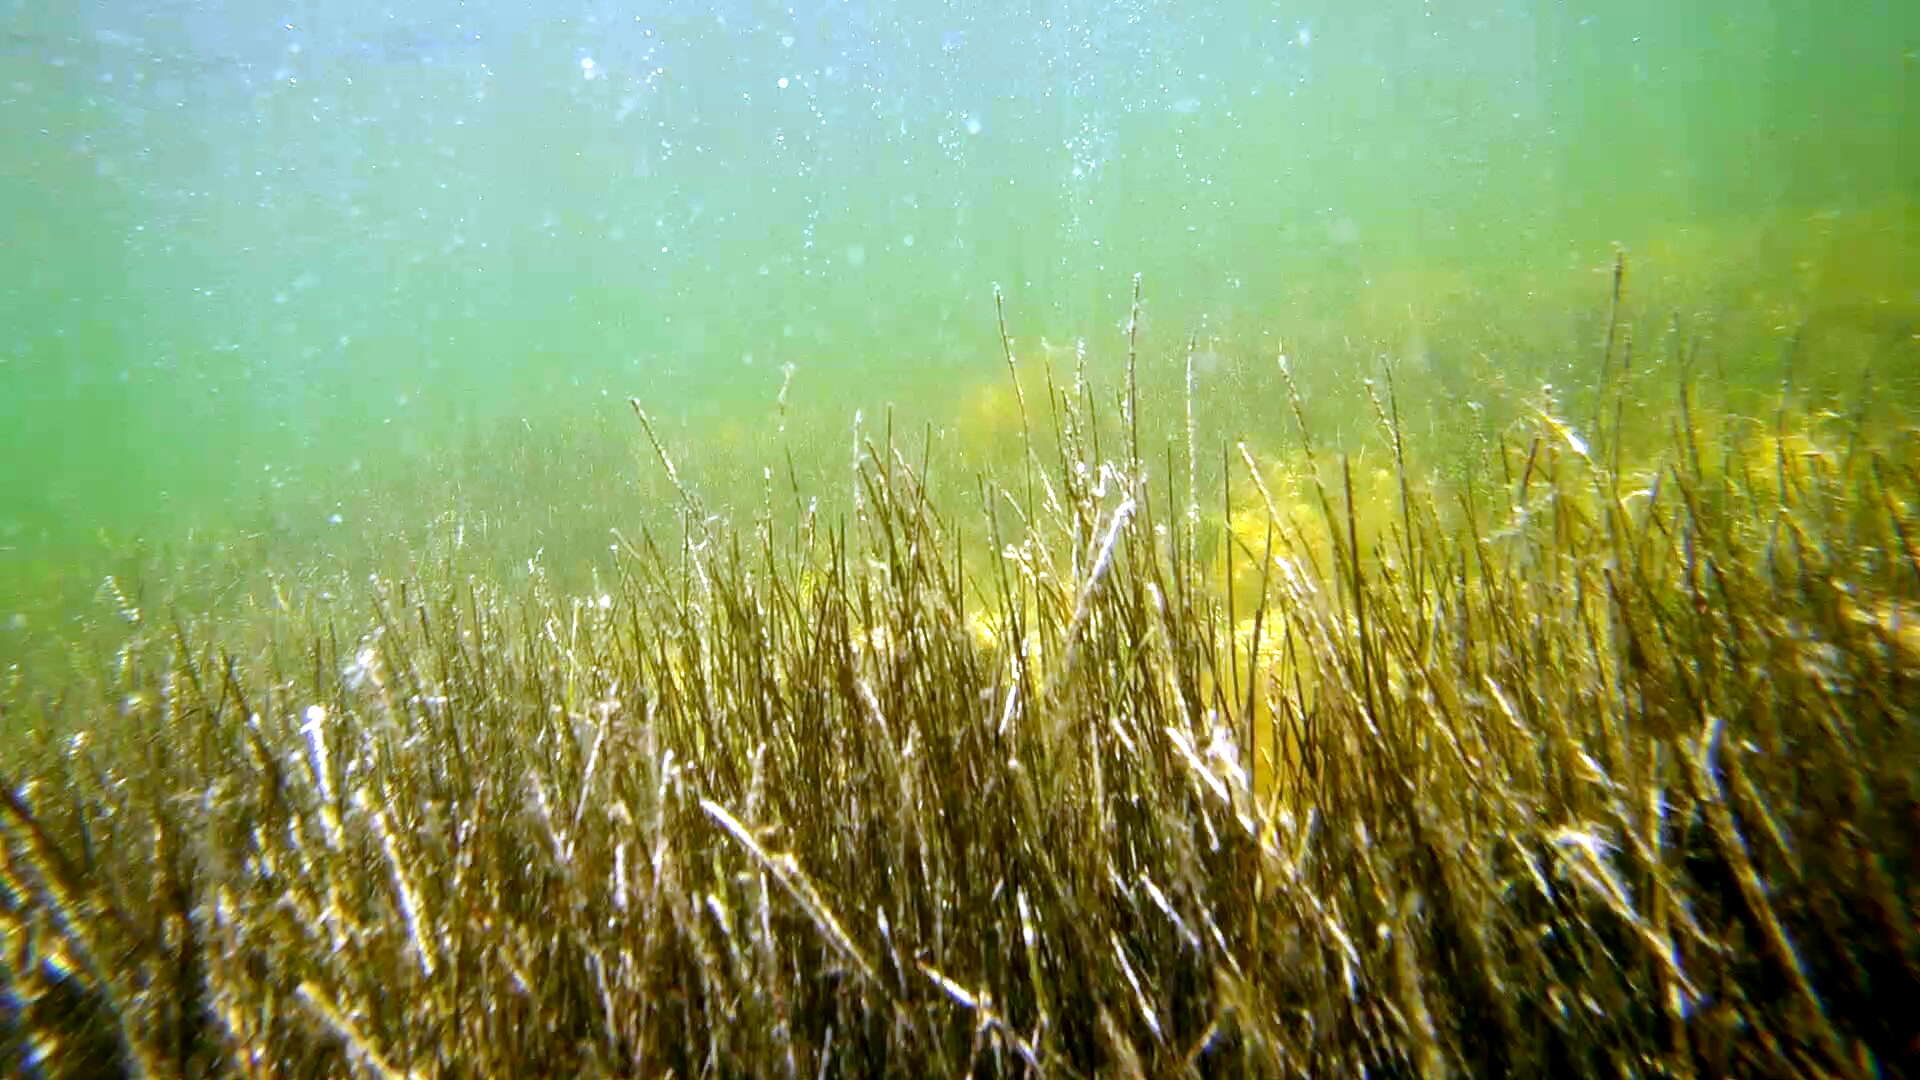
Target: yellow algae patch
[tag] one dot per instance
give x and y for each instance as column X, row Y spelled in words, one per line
column 1307, row 526
column 989, row 414
column 983, row 630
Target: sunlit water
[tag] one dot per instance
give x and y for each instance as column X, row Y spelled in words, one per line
column 298, row 276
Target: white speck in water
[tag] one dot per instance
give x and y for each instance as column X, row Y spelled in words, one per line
column 781, row 82
column 856, row 255
column 1303, row 37
column 588, row 69
column 907, row 240
column 335, row 519
column 973, row 125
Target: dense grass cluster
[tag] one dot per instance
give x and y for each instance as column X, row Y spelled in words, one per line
column 1558, row 757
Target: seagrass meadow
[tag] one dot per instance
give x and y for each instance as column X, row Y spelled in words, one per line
column 1579, row 740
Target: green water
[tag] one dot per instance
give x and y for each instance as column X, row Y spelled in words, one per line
column 301, row 284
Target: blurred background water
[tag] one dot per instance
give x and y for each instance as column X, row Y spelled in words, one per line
column 268, row 264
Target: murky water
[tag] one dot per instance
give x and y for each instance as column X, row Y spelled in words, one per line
column 296, row 276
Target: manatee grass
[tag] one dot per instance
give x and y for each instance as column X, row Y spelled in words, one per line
column 1579, row 749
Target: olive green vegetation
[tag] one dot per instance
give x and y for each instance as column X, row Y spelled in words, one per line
column 1578, row 742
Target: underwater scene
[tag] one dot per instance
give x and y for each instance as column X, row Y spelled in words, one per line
column 835, row 538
